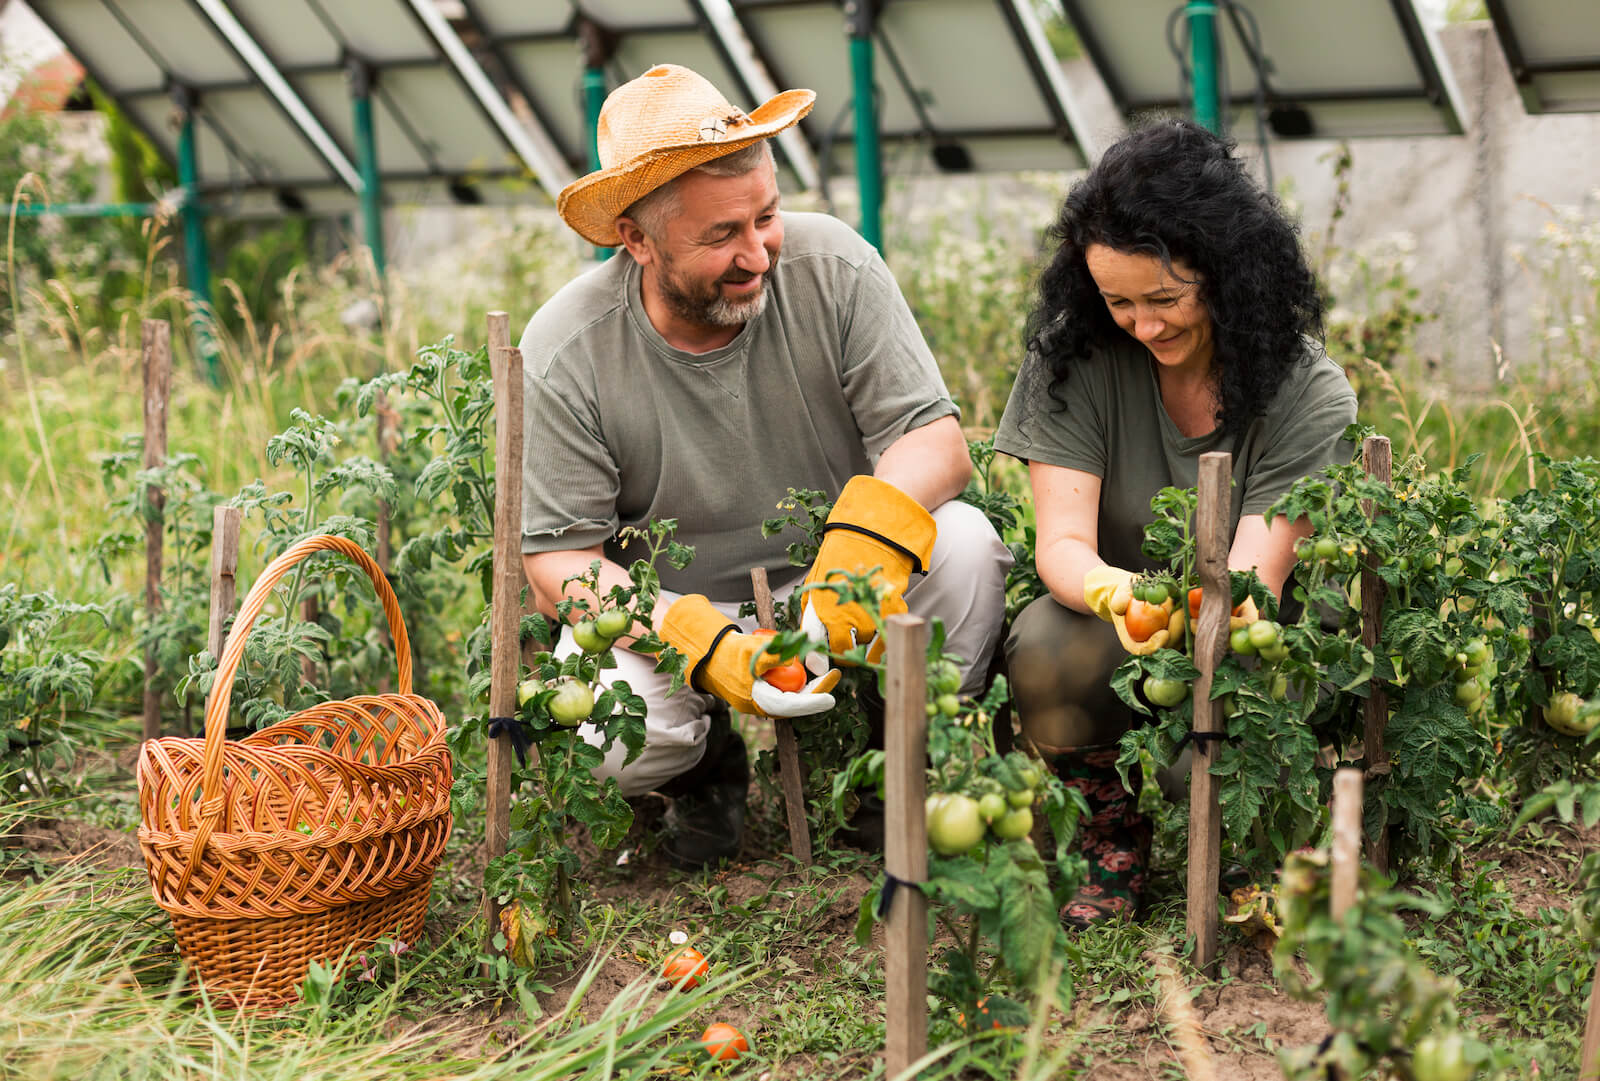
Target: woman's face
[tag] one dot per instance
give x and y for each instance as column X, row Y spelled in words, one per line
column 1160, row 307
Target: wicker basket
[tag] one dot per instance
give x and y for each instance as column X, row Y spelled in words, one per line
column 302, row 840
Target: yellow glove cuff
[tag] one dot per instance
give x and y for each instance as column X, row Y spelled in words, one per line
column 1107, row 591
column 877, row 511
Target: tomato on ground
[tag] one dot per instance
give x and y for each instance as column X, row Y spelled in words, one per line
column 724, row 1042
column 685, row 968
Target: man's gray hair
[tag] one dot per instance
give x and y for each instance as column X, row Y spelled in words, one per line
column 652, row 212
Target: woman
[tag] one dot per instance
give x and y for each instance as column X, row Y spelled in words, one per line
column 1177, row 317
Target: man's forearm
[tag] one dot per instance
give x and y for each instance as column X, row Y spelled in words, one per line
column 930, row 464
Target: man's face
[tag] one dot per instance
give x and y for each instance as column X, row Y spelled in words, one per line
column 711, row 264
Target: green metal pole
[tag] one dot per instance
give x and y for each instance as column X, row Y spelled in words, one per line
column 1202, row 16
column 194, row 238
column 869, row 162
column 367, row 164
column 594, row 96
column 88, row 210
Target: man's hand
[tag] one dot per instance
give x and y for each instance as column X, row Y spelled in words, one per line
column 728, row 663
column 1108, row 591
column 874, row 529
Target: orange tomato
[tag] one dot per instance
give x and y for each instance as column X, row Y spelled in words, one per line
column 788, row 676
column 1194, row 604
column 685, row 968
column 1143, row 619
column 722, row 1041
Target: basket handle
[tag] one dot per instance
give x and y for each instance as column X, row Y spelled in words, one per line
column 222, row 689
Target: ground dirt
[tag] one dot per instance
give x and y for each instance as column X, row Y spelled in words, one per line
column 1240, row 1017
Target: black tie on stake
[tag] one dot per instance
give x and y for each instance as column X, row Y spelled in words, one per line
column 891, row 883
column 522, row 738
column 1201, row 739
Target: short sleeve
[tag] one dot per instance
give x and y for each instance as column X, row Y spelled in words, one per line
column 569, row 481
column 1308, row 435
column 1067, row 427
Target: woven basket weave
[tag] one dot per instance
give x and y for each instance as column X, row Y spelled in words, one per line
column 302, row 840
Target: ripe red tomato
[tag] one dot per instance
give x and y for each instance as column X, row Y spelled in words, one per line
column 1143, row 619
column 724, row 1042
column 788, row 676
column 1194, row 604
column 685, row 968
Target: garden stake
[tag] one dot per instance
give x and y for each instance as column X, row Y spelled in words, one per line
column 505, row 611
column 1376, row 459
column 500, row 338
column 1589, row 1058
column 224, row 565
column 1210, row 644
column 156, row 340
column 794, row 795
column 905, row 857
column 1347, row 797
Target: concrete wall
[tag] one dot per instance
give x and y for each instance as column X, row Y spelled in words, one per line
column 1462, row 214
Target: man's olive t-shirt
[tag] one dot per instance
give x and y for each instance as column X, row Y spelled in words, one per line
column 1108, row 420
column 622, row 429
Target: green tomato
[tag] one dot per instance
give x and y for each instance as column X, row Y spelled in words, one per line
column 1326, row 548
column 944, row 678
column 1403, row 563
column 955, row 825
column 589, row 638
column 614, row 623
column 1274, row 652
column 1030, row 776
column 1263, row 632
column 1022, row 797
column 948, row 704
column 527, row 689
column 991, row 805
column 1280, row 687
column 1562, row 714
column 572, row 703
column 1305, row 549
column 1165, row 692
column 1469, row 694
column 1441, row 1057
column 1239, row 639
column 1476, row 651
column 1453, row 566
column 1014, row 825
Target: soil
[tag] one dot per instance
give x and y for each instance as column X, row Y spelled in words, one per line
column 1240, row 1016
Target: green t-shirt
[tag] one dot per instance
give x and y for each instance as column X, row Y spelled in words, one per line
column 1108, row 420
column 623, row 429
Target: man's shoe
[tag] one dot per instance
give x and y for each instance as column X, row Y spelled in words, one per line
column 704, row 824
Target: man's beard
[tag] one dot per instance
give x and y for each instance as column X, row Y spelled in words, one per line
column 708, row 307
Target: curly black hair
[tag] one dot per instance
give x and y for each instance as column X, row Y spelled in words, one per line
column 1175, row 190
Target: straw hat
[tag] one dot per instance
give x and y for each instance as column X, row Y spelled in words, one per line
column 657, row 127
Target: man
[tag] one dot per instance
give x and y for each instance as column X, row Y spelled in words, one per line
column 727, row 354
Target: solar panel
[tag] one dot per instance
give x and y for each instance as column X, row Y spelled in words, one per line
column 1352, row 68
column 971, row 82
column 434, row 131
column 1553, row 49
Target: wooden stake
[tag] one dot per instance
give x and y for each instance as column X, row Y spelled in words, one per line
column 905, row 854
column 1375, row 456
column 224, row 566
column 156, row 341
column 1210, row 643
column 1346, row 839
column 500, row 338
column 505, row 651
column 1589, row 1056
column 794, row 792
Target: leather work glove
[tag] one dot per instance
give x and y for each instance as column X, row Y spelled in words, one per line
column 728, row 663
column 872, row 525
column 1108, row 591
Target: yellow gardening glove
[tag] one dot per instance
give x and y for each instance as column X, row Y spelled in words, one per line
column 1246, row 614
column 728, row 663
column 1108, row 591
column 873, row 525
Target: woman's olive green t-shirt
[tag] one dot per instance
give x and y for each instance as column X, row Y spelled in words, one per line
column 1108, row 420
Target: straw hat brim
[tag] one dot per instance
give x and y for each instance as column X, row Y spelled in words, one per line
column 591, row 203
